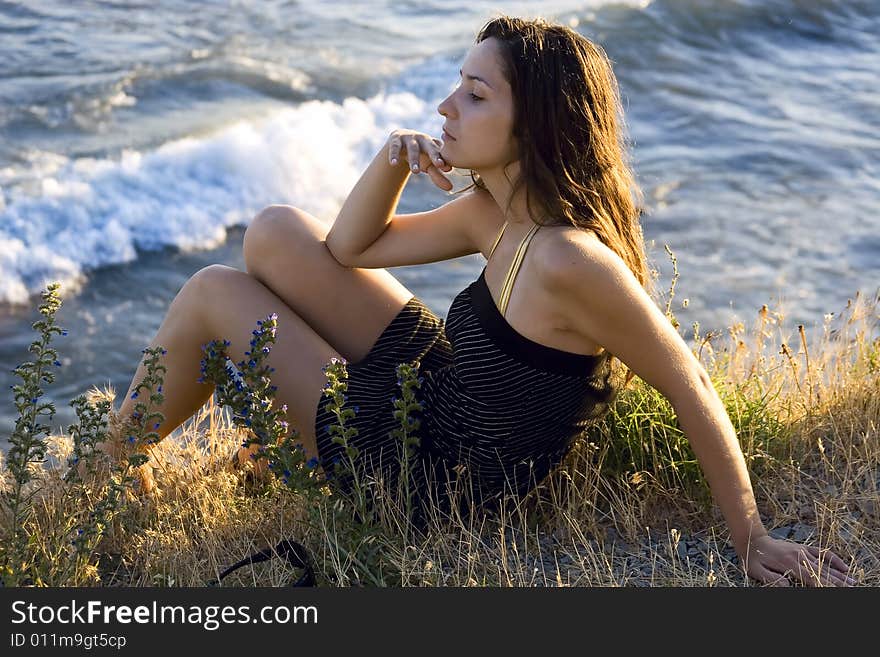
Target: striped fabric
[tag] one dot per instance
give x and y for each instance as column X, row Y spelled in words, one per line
column 414, row 335
column 498, row 405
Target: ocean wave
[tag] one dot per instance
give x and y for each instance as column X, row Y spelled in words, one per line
column 62, row 217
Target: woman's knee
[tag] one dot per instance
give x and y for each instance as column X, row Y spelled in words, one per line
column 278, row 227
column 210, row 282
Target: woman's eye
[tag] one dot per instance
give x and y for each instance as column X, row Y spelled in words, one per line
column 475, row 97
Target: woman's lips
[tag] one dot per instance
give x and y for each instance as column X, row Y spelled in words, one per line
column 446, row 135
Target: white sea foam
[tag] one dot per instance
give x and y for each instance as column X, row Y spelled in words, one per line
column 60, row 217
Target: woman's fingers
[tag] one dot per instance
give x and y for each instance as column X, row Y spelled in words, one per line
column 771, row 577
column 427, row 159
column 393, row 150
column 836, row 564
column 436, row 157
column 438, row 178
column 830, row 573
column 414, row 145
column 812, row 572
column 431, row 148
column 412, row 153
column 422, row 152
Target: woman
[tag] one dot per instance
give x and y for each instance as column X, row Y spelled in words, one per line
column 515, row 372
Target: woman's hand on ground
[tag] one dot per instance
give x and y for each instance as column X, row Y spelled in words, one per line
column 422, row 154
column 772, row 561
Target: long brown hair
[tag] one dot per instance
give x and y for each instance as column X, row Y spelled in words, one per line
column 570, row 131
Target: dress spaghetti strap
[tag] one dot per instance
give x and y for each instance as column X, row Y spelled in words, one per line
column 507, row 288
column 497, row 239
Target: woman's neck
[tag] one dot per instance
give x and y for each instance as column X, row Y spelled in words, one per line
column 500, row 188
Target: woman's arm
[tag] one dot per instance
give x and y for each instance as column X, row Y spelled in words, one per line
column 369, row 208
column 604, row 300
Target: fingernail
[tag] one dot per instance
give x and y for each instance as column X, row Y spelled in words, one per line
column 415, row 167
column 394, row 160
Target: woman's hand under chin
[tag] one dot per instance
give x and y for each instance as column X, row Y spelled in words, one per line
column 772, row 561
column 422, row 152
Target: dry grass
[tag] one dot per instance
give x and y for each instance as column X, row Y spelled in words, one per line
column 627, row 507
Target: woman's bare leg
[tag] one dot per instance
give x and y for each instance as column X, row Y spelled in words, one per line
column 292, row 273
column 219, row 303
column 285, row 249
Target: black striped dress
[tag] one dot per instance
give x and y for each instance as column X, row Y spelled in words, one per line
column 497, row 405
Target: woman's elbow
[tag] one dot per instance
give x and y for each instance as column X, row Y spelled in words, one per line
column 691, row 386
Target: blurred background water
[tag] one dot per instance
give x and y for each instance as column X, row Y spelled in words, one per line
column 138, row 139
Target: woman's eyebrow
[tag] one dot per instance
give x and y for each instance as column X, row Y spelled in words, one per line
column 474, row 77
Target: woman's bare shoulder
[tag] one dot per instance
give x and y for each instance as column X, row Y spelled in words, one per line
column 565, row 246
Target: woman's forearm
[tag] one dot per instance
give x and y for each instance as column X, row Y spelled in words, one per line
column 705, row 422
column 368, row 209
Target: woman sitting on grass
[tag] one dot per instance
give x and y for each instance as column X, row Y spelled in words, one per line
column 515, row 373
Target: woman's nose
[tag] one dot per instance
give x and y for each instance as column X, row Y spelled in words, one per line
column 444, row 107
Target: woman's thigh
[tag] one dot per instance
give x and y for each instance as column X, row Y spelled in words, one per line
column 284, row 248
column 232, row 303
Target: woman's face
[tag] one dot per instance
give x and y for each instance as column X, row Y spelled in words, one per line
column 479, row 113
